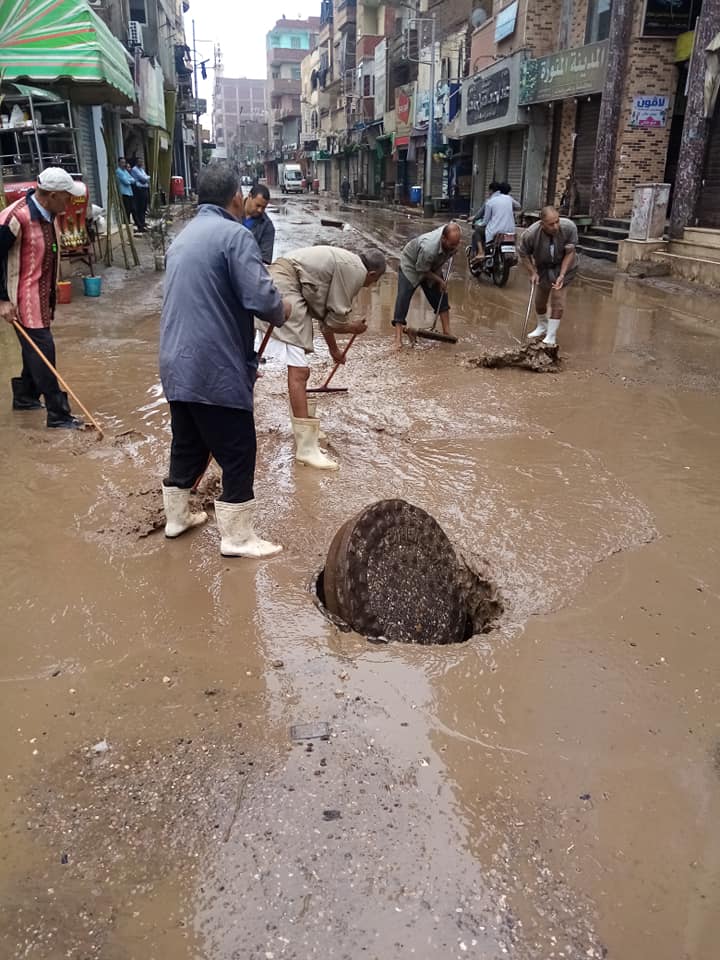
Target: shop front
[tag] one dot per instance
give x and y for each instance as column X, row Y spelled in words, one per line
column 404, row 149
column 570, row 83
column 492, row 121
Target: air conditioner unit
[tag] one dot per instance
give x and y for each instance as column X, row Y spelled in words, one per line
column 135, row 37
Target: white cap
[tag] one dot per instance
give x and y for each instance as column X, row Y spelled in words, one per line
column 55, row 178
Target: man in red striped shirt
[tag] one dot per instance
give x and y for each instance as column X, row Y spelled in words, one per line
column 28, row 274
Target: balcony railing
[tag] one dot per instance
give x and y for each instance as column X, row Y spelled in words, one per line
column 280, row 86
column 277, row 55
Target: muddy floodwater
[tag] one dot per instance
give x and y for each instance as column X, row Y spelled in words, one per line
column 549, row 789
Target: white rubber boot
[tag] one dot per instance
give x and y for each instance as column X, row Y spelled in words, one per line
column 237, row 535
column 551, row 338
column 307, row 450
column 178, row 517
column 312, row 413
column 541, row 328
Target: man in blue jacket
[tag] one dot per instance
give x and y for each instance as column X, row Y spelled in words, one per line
column 125, row 184
column 216, row 283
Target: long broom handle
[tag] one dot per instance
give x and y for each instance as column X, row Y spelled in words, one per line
column 443, row 293
column 63, row 384
column 337, row 365
column 527, row 312
column 265, row 339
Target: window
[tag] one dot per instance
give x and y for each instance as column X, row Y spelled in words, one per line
column 598, row 21
column 295, row 73
column 137, row 11
column 295, row 43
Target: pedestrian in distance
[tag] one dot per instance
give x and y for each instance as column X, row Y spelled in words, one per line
column 215, row 284
column 345, row 190
column 29, row 268
column 548, row 250
column 421, row 261
column 321, row 284
column 258, row 222
column 141, row 191
column 125, row 185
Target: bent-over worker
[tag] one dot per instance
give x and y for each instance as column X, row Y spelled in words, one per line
column 421, row 262
column 320, row 283
column 215, row 282
column 548, row 250
column 29, row 262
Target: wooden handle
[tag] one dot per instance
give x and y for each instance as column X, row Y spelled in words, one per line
column 337, row 365
column 60, row 380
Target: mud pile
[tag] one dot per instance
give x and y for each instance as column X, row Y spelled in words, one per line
column 530, row 356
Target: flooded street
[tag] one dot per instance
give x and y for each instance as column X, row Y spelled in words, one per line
column 548, row 789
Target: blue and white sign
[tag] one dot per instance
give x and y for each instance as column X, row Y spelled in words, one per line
column 505, row 22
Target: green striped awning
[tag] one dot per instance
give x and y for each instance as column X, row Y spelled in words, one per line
column 63, row 41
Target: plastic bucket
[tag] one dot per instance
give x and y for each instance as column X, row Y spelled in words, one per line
column 92, row 286
column 64, row 291
column 415, row 194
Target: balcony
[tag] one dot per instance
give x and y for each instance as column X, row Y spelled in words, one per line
column 285, row 113
column 280, row 87
column 279, row 55
column 365, row 49
column 345, row 14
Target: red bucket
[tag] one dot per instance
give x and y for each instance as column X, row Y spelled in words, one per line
column 64, row 291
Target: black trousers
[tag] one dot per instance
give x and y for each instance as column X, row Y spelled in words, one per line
column 437, row 300
column 36, row 379
column 200, row 431
column 141, row 205
column 130, row 211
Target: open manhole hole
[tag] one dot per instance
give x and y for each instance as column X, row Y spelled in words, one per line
column 392, row 573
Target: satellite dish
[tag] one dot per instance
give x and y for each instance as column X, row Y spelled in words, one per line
column 478, row 18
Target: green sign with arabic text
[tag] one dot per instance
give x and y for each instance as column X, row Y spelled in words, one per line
column 569, row 73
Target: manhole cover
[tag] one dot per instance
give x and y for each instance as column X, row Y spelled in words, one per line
column 392, row 572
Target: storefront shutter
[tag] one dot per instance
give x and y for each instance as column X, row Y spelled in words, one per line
column 708, row 208
column 588, row 119
column 87, row 151
column 516, row 149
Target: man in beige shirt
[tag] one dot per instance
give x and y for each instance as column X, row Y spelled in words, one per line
column 320, row 283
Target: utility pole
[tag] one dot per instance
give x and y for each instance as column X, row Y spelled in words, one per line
column 427, row 189
column 695, row 128
column 198, row 136
column 621, row 16
column 427, row 192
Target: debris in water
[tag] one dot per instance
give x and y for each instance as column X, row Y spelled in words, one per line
column 102, row 747
column 331, row 815
column 530, row 356
column 310, row 731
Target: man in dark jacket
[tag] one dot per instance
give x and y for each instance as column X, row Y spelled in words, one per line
column 216, row 283
column 258, row 222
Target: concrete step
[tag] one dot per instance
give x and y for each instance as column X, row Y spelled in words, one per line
column 614, row 233
column 600, row 243
column 693, row 248
column 598, row 254
column 690, row 268
column 614, row 222
column 702, row 236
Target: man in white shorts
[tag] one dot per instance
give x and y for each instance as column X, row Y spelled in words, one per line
column 321, row 283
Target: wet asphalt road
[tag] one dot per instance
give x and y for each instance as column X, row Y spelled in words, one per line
column 550, row 789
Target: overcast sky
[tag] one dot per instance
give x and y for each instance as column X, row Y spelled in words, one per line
column 240, row 30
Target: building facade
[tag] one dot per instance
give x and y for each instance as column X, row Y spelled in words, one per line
column 287, row 44
column 240, row 121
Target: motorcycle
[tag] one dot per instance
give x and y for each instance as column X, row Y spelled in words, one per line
column 500, row 257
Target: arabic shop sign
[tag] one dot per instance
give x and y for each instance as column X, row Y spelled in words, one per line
column 570, row 73
column 667, row 18
column 649, row 113
column 488, row 98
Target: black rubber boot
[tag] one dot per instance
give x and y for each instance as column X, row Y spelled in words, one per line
column 22, row 400
column 59, row 415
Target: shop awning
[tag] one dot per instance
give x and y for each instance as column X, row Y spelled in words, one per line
column 63, row 41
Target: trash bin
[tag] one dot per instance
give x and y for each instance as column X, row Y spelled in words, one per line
column 649, row 211
column 92, row 286
column 177, row 187
column 416, row 195
column 316, row 186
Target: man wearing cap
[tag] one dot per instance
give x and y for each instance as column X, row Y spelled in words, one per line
column 28, row 274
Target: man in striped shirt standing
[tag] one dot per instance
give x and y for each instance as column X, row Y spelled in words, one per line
column 28, row 274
